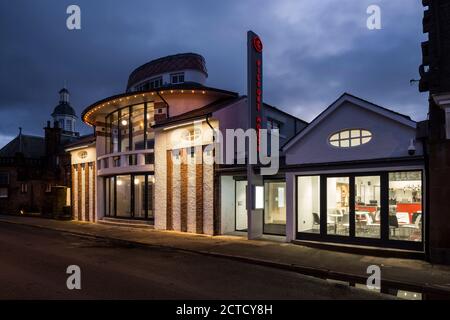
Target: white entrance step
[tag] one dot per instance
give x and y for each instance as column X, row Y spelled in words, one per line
column 126, row 223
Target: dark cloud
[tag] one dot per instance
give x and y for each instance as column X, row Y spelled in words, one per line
column 314, row 51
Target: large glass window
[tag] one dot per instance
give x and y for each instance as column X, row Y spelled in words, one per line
column 308, row 204
column 115, row 132
column 130, row 129
column 123, row 192
column 137, row 127
column 129, row 196
column 109, row 197
column 405, row 206
column 375, row 209
column 338, row 207
column 139, row 196
column 367, row 207
column 124, row 125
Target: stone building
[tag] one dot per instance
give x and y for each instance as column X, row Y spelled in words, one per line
column 35, row 170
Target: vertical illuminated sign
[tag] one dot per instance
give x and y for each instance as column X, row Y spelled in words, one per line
column 255, row 83
column 255, row 189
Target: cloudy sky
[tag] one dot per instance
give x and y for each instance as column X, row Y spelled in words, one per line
column 314, row 51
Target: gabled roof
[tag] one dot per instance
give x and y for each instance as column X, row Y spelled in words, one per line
column 347, row 97
column 31, row 147
column 198, row 113
column 81, row 142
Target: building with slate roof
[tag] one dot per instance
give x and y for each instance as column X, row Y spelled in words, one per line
column 35, row 170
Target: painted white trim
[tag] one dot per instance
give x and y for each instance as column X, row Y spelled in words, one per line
column 339, row 171
column 356, row 101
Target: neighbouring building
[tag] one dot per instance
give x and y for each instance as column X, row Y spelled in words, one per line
column 355, row 175
column 35, row 171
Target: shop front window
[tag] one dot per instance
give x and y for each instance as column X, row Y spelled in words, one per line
column 338, row 206
column 405, row 206
column 367, row 207
column 308, row 204
column 129, row 196
column 275, row 208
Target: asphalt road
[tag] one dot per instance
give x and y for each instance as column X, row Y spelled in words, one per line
column 33, row 265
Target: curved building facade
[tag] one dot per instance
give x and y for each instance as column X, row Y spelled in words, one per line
column 354, row 175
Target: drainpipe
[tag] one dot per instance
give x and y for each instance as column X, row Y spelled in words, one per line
column 165, row 102
column 209, row 124
column 216, row 221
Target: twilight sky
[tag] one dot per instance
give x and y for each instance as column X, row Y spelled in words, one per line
column 313, row 51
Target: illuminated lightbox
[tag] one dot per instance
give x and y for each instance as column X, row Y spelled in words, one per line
column 259, row 197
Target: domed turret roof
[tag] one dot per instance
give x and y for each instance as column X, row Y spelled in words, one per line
column 62, row 109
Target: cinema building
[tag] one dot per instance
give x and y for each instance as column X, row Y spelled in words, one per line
column 354, row 175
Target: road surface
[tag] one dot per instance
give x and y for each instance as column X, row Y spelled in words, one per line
column 33, row 265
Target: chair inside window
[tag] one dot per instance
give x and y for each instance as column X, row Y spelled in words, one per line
column 393, row 224
column 316, row 220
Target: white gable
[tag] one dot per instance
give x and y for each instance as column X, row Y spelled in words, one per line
column 391, row 134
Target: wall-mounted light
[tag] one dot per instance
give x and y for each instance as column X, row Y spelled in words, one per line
column 124, row 122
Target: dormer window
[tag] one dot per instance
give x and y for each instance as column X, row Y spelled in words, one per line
column 350, row 138
column 177, row 77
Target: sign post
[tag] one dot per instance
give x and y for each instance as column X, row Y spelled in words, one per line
column 255, row 186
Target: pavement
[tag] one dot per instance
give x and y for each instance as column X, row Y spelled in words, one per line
column 408, row 274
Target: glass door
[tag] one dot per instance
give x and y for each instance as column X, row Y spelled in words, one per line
column 338, row 206
column 275, row 207
column 241, row 206
column 368, row 207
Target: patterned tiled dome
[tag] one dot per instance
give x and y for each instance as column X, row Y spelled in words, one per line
column 171, row 63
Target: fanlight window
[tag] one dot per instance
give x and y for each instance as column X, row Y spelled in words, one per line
column 350, row 138
column 192, row 134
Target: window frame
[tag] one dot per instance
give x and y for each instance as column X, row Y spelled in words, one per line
column 384, row 240
column 177, row 75
column 113, row 192
column 109, row 141
column 349, row 139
